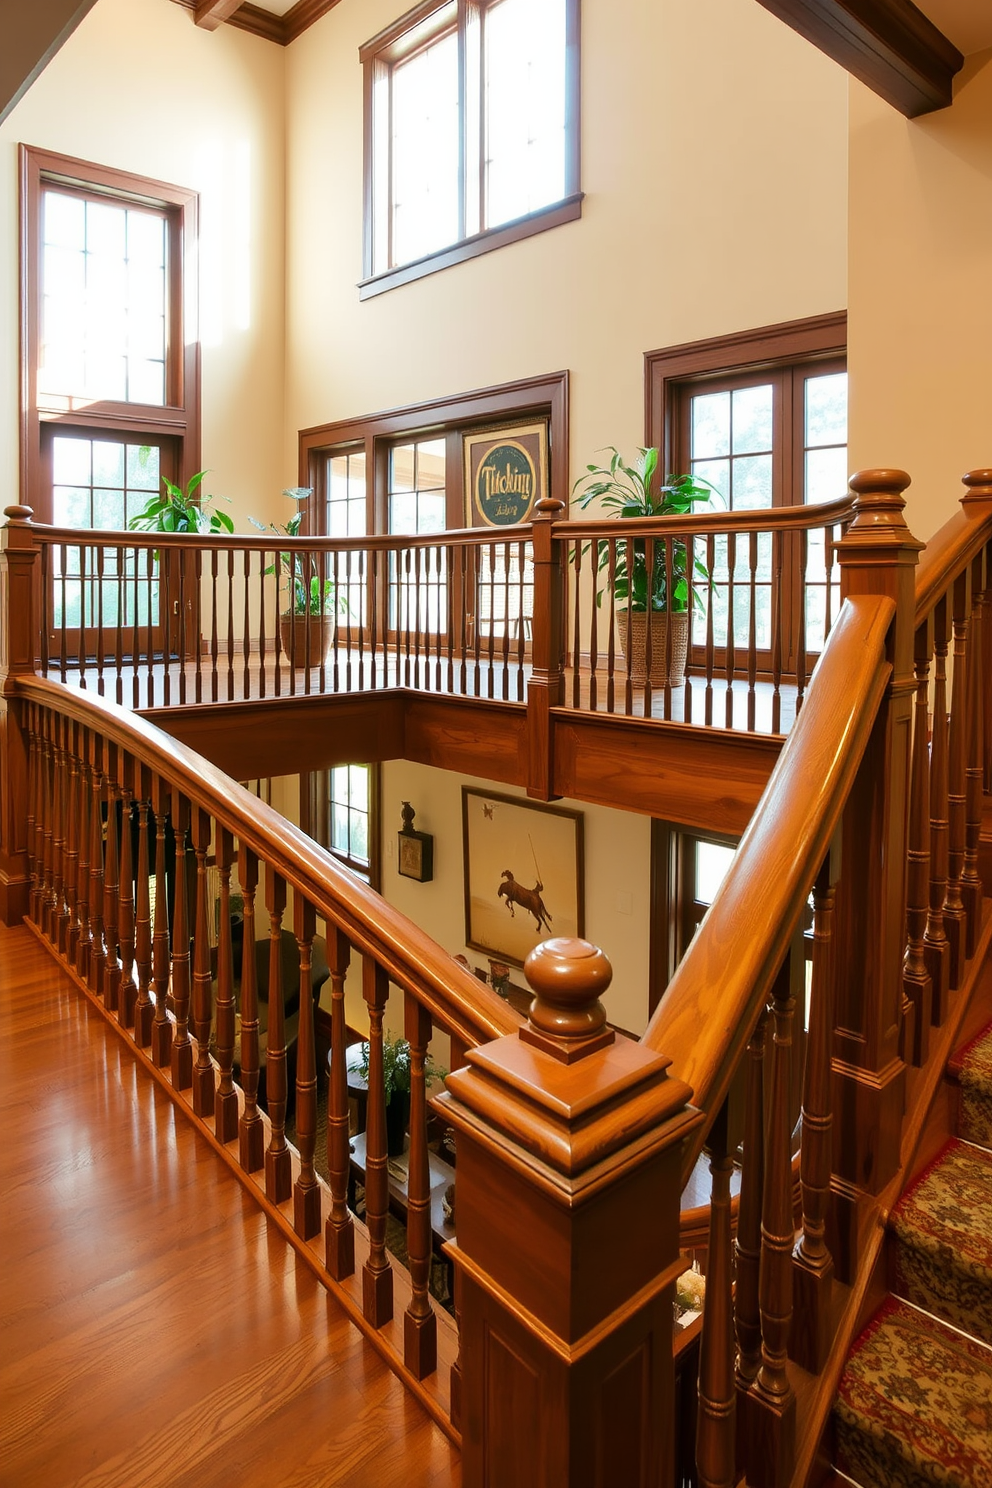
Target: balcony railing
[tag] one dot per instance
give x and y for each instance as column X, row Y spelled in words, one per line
column 158, row 620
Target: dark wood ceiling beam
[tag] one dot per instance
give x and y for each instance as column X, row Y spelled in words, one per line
column 210, row 14
column 890, row 45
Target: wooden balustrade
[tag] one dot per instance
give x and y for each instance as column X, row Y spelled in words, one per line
column 121, row 889
column 560, row 1125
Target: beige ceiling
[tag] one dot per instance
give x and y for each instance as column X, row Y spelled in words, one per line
column 968, row 23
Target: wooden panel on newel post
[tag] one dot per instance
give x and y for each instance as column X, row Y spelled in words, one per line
column 878, row 555
column 19, row 629
column 569, row 1149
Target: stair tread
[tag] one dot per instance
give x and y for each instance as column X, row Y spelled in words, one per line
column 915, row 1404
column 943, row 1232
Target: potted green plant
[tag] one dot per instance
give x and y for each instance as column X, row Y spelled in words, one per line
column 306, row 626
column 655, row 599
column 396, row 1079
column 182, row 511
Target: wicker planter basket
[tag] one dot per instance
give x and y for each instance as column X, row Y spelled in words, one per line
column 638, row 623
column 294, row 631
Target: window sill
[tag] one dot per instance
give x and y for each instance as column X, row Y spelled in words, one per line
column 567, row 210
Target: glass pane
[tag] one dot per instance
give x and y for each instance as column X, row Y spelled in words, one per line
column 717, row 472
column 64, row 221
column 826, row 409
column 524, row 69
column 403, row 513
column 752, row 419
column 402, row 466
column 826, row 474
column 752, row 481
column 358, row 786
column 430, row 463
column 145, row 240
column 108, row 463
column 430, row 514
column 712, row 862
column 710, row 425
column 108, row 509
column 143, row 467
column 70, row 461
column 146, row 383
column 425, row 151
column 71, row 506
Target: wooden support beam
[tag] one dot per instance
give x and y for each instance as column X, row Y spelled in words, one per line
column 213, row 13
column 889, row 44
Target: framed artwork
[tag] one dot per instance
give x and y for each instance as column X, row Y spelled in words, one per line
column 506, row 471
column 523, row 874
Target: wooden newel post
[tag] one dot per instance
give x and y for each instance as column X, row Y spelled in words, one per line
column 19, row 632
column 546, row 686
column 569, row 1143
column 878, row 555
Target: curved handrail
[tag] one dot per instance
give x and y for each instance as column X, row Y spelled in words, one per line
column 948, row 552
column 708, row 1013
column 410, row 957
column 760, row 519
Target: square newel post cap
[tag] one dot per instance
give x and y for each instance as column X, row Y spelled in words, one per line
column 564, row 1088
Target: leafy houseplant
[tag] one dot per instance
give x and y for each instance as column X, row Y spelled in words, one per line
column 645, row 592
column 396, row 1080
column 179, row 511
column 306, row 627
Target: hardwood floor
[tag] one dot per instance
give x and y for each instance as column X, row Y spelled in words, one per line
column 155, row 1330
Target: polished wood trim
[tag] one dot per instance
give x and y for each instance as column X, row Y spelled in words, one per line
column 889, row 44
column 569, row 209
column 259, row 22
column 209, row 14
column 742, row 351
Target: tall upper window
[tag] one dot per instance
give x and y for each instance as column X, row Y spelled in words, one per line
column 471, row 135
column 109, row 353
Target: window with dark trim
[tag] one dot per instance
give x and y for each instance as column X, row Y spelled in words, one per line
column 471, row 132
column 340, row 809
column 761, row 415
column 110, row 360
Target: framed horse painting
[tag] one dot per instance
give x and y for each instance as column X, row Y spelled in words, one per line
column 523, row 873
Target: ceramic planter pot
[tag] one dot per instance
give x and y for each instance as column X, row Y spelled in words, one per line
column 306, row 639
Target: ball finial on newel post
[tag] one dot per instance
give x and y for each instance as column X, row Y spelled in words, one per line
column 567, row 1019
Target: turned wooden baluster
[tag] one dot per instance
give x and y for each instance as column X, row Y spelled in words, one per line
column 971, row 883
column 35, row 831
column 251, row 1132
column 955, row 915
column 53, row 829
column 81, row 954
column 306, row 1190
column 161, row 1039
column 98, row 949
column 377, row 1275
column 717, row 1419
column 813, row 1269
column 143, row 926
column 125, row 918
column 112, row 885
column 278, row 1162
column 339, row 1231
column 936, row 946
column 226, row 1099
column 978, row 484
column 67, row 855
column 917, row 984
column 419, row 1322
column 41, row 817
column 772, row 1403
column 747, row 1249
column 203, row 1071
column 181, row 1058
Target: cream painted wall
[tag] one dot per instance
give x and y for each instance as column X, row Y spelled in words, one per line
column 920, row 268
column 714, row 167
column 139, row 87
column 617, row 878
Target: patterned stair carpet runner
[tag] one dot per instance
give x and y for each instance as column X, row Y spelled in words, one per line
column 943, row 1232
column 973, row 1067
column 915, row 1405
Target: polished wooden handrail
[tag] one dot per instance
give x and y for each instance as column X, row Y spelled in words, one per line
column 706, row 1018
column 752, row 519
column 454, row 998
